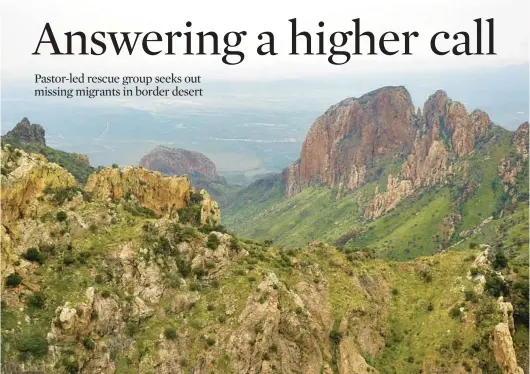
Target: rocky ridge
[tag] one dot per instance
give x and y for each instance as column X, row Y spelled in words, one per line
column 349, row 145
column 108, row 287
column 31, row 138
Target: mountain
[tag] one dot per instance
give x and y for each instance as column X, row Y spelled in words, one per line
column 199, row 168
column 177, row 161
column 31, row 137
column 132, row 273
column 375, row 173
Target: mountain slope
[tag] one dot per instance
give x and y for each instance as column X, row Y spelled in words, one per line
column 31, row 138
column 413, row 197
column 133, row 274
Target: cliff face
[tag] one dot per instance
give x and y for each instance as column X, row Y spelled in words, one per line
column 23, row 181
column 24, row 178
column 345, row 145
column 164, row 195
column 177, row 161
column 351, row 135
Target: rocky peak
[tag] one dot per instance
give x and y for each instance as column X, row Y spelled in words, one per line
column 447, row 118
column 25, row 133
column 352, row 134
column 177, row 161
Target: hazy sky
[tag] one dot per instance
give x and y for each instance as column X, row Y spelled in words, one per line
column 23, row 22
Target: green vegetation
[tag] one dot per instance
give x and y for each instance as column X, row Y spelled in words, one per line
column 13, row 280
column 32, row 345
column 75, row 163
column 61, row 216
column 34, row 255
column 420, row 225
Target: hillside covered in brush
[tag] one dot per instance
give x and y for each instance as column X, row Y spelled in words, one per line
column 133, row 273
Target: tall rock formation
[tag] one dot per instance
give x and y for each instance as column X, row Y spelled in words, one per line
column 345, row 145
column 350, row 136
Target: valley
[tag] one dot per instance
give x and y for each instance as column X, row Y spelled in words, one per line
column 396, row 243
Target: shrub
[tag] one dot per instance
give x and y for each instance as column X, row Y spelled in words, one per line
column 221, row 319
column 13, row 280
column 105, row 294
column 88, row 343
column 494, row 286
column 36, row 300
column 473, row 245
column 430, row 307
column 70, row 364
column 190, row 214
column 299, row 310
column 196, row 197
column 61, row 216
column 213, row 241
column 500, row 259
column 35, row 345
column 456, row 344
column 335, row 336
column 34, row 255
column 94, row 315
column 234, row 245
column 470, row 295
column 68, row 259
column 474, row 272
column 455, row 312
column 210, row 307
column 131, row 328
column 170, row 333
column 395, row 291
column 210, row 342
column 273, row 348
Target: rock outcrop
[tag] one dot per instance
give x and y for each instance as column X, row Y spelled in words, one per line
column 520, row 139
column 24, row 178
column 344, row 145
column 31, row 138
column 25, row 133
column 177, row 161
column 210, row 212
column 504, row 351
column 396, row 191
column 350, row 136
column 164, row 195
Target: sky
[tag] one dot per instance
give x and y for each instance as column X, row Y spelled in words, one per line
column 23, row 23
